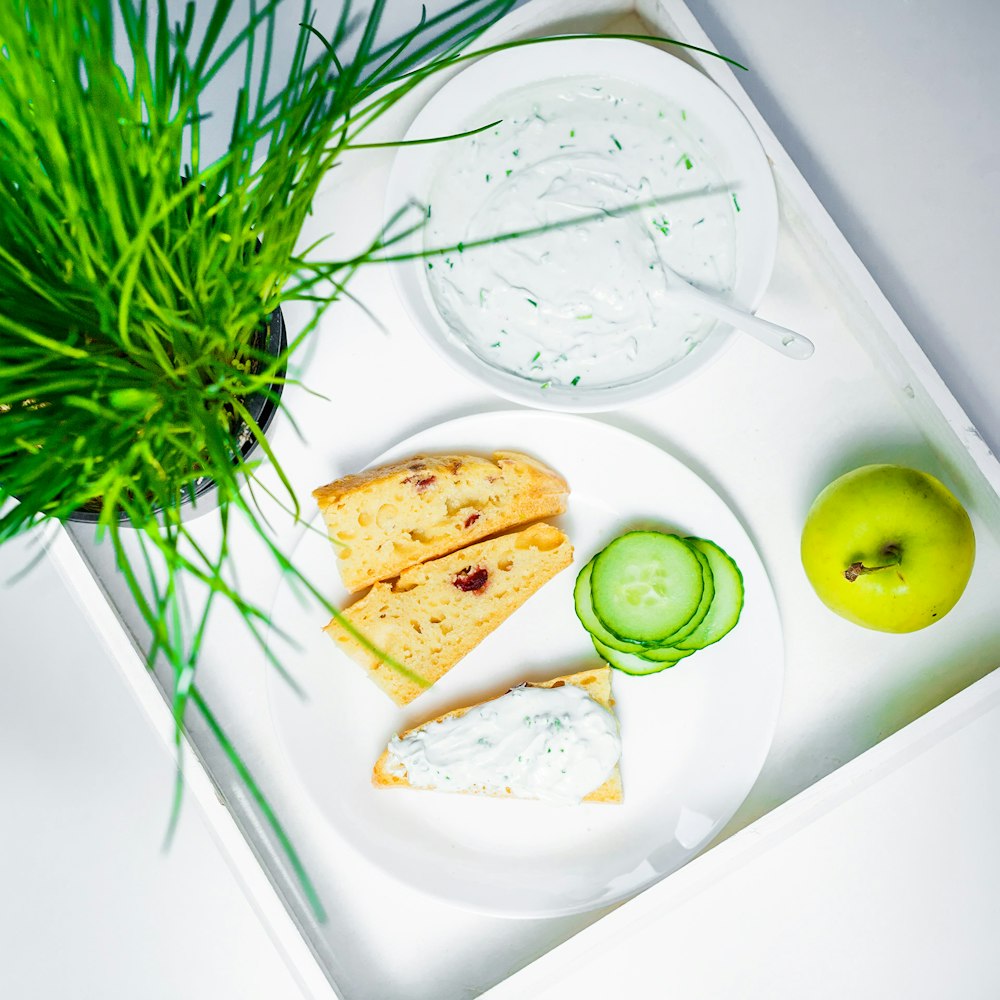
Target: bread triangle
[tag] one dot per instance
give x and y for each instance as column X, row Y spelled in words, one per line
column 436, row 612
column 394, row 516
column 595, row 682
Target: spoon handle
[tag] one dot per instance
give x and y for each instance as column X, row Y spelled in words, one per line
column 788, row 342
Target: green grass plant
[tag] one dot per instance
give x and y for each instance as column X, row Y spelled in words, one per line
column 136, row 274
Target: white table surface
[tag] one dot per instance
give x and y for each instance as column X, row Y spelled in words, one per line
column 888, row 109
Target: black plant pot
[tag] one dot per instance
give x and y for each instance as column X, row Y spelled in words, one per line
column 262, row 408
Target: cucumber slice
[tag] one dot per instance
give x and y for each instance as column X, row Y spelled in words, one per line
column 629, row 663
column 585, row 612
column 727, row 604
column 646, row 585
column 661, row 653
column 707, row 596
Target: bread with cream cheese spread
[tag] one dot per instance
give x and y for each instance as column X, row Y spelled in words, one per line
column 389, row 518
column 437, row 611
column 596, row 683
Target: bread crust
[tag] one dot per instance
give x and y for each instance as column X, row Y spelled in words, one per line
column 596, row 682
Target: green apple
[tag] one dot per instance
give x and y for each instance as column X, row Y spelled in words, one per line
column 888, row 547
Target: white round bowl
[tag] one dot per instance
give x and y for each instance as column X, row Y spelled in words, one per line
column 728, row 138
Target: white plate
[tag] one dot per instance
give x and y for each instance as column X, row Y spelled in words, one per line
column 728, row 138
column 694, row 736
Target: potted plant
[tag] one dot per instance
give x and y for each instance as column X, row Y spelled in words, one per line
column 141, row 282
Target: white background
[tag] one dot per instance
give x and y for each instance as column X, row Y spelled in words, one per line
column 888, row 109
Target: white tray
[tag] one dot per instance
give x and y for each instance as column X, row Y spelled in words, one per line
column 766, row 433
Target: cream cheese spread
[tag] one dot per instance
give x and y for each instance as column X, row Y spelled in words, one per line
column 556, row 744
column 585, row 303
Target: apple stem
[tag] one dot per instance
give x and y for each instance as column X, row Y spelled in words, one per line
column 891, row 552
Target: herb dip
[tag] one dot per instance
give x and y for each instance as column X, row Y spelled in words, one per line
column 586, row 303
column 556, row 744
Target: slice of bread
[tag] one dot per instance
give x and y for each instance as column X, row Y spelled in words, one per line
column 386, row 519
column 596, row 683
column 430, row 617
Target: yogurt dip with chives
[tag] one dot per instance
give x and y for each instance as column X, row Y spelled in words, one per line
column 585, row 303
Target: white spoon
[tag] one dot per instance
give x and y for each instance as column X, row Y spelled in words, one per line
column 780, row 338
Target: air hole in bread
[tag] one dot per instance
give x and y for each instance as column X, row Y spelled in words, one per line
column 456, row 504
column 416, row 627
column 364, row 519
column 345, row 536
column 385, row 514
column 543, row 537
column 506, row 565
column 401, row 588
